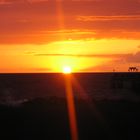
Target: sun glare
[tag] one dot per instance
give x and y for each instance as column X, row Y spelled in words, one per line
column 67, row 70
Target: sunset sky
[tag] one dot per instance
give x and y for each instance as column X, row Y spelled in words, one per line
column 87, row 35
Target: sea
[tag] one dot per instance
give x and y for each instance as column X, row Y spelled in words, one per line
column 34, row 106
column 17, row 88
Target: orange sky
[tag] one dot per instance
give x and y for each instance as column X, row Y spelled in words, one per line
column 45, row 35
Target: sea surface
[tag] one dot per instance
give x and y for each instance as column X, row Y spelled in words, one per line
column 15, row 88
column 34, row 106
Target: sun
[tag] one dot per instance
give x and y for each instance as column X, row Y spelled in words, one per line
column 67, row 70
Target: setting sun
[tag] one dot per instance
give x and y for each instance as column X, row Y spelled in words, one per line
column 67, row 70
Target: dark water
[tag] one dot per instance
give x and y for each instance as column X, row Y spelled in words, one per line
column 100, row 86
column 33, row 106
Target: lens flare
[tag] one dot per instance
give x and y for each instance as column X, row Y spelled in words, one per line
column 71, row 108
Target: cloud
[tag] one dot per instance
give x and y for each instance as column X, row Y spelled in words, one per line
column 40, row 21
column 40, row 69
column 45, row 37
column 88, row 55
column 135, row 58
column 119, row 59
column 100, row 68
column 34, row 1
column 5, row 2
column 108, row 18
column 118, row 65
column 27, row 70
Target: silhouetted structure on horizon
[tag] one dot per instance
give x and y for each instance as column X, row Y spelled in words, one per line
column 133, row 69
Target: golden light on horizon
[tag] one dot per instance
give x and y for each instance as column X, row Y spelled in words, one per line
column 77, row 54
column 67, row 70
